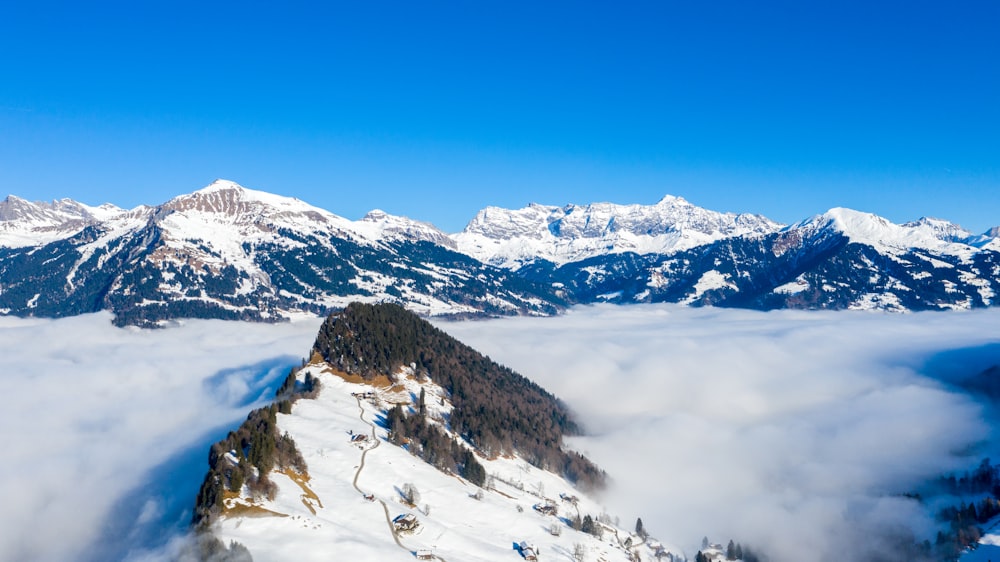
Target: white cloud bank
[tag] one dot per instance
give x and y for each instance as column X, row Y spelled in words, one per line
column 790, row 431
column 782, row 430
column 105, row 430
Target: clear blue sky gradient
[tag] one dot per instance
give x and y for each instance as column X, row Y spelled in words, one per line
column 435, row 110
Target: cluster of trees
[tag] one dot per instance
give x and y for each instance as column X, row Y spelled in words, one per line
column 985, row 478
column 258, row 447
column 291, row 390
column 961, row 522
column 437, row 448
column 734, row 551
column 495, row 409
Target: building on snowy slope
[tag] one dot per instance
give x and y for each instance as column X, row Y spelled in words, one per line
column 528, row 551
column 406, row 522
column 425, row 554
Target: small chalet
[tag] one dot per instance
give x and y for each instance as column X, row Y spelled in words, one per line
column 425, row 554
column 547, row 508
column 568, row 498
column 528, row 551
column 405, row 522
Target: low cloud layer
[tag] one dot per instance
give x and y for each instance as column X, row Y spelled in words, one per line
column 106, row 430
column 791, row 431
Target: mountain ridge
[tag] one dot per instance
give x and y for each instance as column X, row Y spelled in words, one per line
column 226, row 251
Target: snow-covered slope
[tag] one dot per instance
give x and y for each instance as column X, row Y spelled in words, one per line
column 842, row 259
column 24, row 223
column 345, row 506
column 933, row 235
column 231, row 252
column 510, row 238
column 226, row 251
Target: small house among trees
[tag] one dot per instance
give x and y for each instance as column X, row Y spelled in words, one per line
column 547, row 508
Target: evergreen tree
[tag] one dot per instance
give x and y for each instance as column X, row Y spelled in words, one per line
column 422, row 402
column 731, row 550
column 640, row 530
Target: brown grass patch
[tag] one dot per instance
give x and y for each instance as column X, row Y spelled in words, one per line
column 308, row 496
column 240, row 509
column 380, row 381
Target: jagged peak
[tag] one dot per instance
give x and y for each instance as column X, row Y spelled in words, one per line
column 671, row 200
column 15, row 199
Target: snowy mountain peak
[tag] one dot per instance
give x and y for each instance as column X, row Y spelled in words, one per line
column 27, row 223
column 672, row 200
column 379, row 225
column 227, row 202
column 511, row 238
column 881, row 233
column 942, row 229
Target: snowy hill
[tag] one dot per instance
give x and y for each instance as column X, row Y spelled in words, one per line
column 357, row 489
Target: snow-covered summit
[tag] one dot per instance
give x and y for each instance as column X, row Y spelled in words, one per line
column 224, row 198
column 27, row 223
column 511, row 237
column 379, row 225
column 879, row 232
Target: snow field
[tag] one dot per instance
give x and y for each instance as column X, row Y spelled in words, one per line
column 453, row 524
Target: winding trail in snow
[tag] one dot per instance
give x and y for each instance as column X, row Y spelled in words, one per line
column 385, row 507
column 388, row 520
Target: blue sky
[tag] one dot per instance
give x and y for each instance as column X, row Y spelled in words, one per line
column 434, row 109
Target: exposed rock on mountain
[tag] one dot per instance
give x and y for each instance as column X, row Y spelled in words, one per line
column 230, row 252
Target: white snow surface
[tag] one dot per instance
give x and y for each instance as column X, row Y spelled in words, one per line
column 509, row 238
column 25, row 223
column 453, row 524
column 928, row 234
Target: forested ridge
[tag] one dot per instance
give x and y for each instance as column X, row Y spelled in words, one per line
column 495, row 409
column 258, row 448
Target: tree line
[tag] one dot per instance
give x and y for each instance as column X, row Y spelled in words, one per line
column 496, row 410
column 258, row 448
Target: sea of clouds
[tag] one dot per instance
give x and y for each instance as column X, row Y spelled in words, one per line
column 795, row 432
column 106, row 430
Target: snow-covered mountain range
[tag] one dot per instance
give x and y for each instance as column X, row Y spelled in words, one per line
column 226, row 251
column 510, row 238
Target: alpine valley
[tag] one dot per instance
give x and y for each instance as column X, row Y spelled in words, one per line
column 229, row 252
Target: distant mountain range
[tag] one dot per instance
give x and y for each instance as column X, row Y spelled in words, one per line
column 225, row 251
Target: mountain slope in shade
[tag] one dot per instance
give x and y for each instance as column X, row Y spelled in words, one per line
column 842, row 259
column 230, row 252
